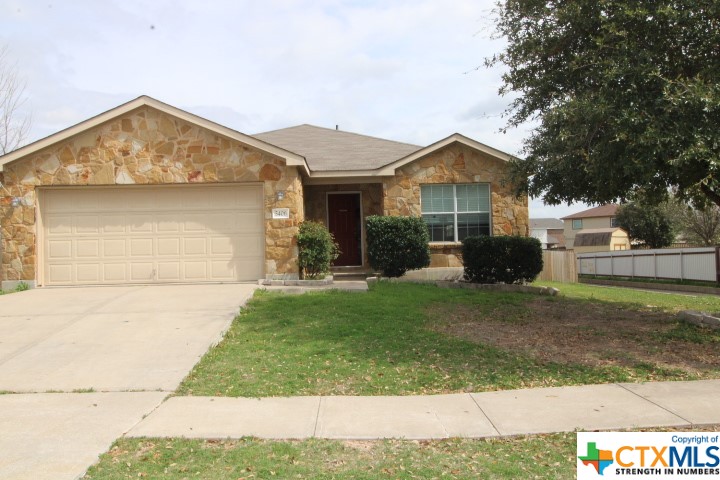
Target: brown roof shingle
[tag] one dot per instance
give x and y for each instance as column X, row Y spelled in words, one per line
column 607, row 210
column 326, row 149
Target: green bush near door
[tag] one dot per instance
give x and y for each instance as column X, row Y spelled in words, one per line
column 397, row 244
column 316, row 249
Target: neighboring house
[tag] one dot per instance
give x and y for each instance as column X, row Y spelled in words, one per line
column 593, row 218
column 148, row 193
column 601, row 240
column 549, row 231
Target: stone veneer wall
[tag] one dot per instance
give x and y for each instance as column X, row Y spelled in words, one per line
column 146, row 147
column 457, row 163
column 316, row 202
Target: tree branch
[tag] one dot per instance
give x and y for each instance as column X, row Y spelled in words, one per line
column 13, row 128
column 710, row 193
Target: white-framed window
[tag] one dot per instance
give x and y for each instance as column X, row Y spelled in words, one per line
column 577, row 224
column 613, row 222
column 457, row 211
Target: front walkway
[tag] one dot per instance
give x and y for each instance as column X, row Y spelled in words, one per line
column 470, row 415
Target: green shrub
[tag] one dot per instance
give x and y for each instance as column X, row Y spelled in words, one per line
column 397, row 244
column 502, row 259
column 317, row 249
column 22, row 286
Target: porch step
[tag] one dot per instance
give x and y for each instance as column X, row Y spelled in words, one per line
column 349, row 274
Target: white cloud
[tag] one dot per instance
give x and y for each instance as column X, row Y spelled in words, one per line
column 398, row 69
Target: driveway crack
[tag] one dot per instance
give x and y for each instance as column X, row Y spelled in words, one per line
column 164, row 399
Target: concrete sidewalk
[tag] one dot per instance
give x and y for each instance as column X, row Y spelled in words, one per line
column 471, row 415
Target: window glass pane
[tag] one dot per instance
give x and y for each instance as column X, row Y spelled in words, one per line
column 473, row 224
column 468, row 198
column 440, row 227
column 436, row 198
column 484, row 194
column 577, row 224
column 473, row 198
column 425, row 198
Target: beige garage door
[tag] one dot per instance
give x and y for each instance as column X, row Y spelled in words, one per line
column 152, row 234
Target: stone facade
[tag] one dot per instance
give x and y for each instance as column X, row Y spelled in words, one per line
column 149, row 147
column 316, row 202
column 146, row 147
column 457, row 163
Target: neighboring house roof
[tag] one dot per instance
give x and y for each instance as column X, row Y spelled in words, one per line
column 593, row 237
column 552, row 240
column 326, row 149
column 545, row 223
column 290, row 158
column 607, row 210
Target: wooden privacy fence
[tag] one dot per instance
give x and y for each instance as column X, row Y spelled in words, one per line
column 668, row 263
column 559, row 266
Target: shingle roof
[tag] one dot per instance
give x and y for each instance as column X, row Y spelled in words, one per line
column 326, row 149
column 546, row 223
column 607, row 210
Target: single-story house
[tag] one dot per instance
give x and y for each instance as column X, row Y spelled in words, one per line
column 592, row 240
column 149, row 193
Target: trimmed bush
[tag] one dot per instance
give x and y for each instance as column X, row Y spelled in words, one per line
column 316, row 249
column 502, row 259
column 397, row 244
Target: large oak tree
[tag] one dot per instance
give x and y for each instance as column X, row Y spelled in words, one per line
column 626, row 96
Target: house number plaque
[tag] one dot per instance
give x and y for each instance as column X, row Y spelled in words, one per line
column 281, row 213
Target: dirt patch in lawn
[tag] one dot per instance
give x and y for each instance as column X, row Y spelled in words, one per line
column 589, row 333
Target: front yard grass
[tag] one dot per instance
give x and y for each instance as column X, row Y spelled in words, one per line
column 542, row 457
column 536, row 456
column 403, row 339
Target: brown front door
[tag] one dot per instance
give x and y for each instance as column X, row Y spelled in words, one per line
column 344, row 223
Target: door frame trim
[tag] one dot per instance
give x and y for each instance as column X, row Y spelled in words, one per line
column 362, row 221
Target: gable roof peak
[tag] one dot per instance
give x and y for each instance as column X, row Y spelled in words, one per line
column 146, row 101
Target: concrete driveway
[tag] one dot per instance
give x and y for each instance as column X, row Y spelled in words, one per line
column 128, row 346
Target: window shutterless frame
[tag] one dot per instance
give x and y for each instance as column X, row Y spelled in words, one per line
column 455, row 213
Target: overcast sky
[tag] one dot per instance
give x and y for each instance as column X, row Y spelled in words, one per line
column 403, row 70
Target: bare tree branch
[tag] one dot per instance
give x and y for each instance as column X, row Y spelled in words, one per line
column 13, row 127
column 703, row 226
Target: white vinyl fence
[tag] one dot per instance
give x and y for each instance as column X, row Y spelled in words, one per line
column 671, row 263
